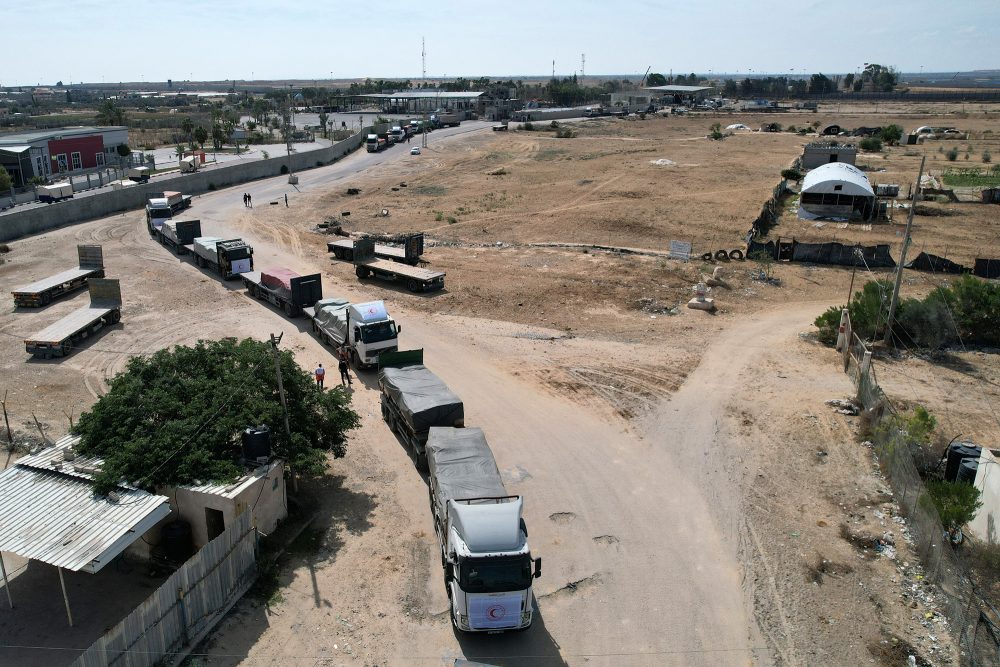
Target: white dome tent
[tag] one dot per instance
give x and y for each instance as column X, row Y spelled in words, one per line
column 836, row 190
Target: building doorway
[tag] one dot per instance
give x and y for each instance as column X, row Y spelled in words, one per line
column 215, row 523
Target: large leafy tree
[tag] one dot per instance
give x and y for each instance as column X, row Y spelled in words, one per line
column 110, row 113
column 176, row 417
column 656, row 79
column 5, row 180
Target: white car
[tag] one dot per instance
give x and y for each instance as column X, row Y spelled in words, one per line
column 415, row 150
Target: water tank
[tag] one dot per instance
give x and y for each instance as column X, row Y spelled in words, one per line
column 177, row 541
column 958, row 452
column 256, row 443
column 967, row 471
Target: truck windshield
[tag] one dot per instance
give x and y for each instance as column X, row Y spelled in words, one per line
column 495, row 575
column 159, row 213
column 378, row 332
column 237, row 253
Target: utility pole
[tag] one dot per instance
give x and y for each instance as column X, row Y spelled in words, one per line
column 902, row 255
column 281, row 395
column 553, row 69
column 423, row 60
column 583, row 66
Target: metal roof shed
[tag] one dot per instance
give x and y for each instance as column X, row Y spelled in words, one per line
column 49, row 513
column 836, row 190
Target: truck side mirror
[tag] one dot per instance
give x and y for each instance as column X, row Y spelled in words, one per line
column 538, row 568
column 399, row 327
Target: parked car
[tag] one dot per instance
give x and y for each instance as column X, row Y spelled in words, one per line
column 415, row 150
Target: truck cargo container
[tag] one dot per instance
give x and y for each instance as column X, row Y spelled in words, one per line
column 139, row 174
column 413, row 400
column 413, row 248
column 55, row 192
column 43, row 292
column 178, row 234
column 365, row 328
column 61, row 337
column 483, row 538
column 228, row 258
column 285, row 289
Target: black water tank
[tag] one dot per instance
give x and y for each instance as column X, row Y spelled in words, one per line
column 177, row 541
column 257, row 443
column 967, row 471
column 958, row 452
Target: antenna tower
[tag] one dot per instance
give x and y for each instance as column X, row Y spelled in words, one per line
column 583, row 64
column 553, row 69
column 423, row 59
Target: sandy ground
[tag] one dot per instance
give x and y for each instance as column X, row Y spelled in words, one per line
column 684, row 483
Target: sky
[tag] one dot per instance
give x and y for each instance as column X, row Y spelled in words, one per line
column 93, row 41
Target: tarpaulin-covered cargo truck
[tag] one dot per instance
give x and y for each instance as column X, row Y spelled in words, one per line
column 483, row 539
column 365, row 328
column 228, row 258
column 43, row 292
column 178, row 234
column 285, row 289
column 60, row 338
column 414, row 400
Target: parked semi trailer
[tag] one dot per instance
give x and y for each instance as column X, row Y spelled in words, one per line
column 483, row 539
column 59, row 339
column 413, row 248
column 413, row 400
column 365, row 328
column 228, row 258
column 285, row 289
column 44, row 291
column 416, row 279
column 55, row 192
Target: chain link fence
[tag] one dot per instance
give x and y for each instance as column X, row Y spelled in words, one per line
column 974, row 622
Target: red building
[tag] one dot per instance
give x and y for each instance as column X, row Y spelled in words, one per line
column 72, row 154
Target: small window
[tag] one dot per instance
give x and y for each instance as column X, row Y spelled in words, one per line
column 838, row 188
column 99, row 159
column 77, row 161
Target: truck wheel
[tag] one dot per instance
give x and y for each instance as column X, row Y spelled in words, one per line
column 386, row 416
column 362, row 272
column 288, row 308
column 422, row 462
column 64, row 349
column 252, row 291
column 412, row 285
column 114, row 316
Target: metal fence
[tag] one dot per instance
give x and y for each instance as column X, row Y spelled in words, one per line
column 185, row 608
column 973, row 621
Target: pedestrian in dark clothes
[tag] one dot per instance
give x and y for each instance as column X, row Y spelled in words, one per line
column 286, row 200
column 345, row 376
column 245, row 197
column 249, row 200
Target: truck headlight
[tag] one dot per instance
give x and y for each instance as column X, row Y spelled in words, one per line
column 525, row 618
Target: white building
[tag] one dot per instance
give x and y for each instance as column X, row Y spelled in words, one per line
column 836, row 190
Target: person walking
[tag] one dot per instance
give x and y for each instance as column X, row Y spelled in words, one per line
column 320, row 375
column 245, row 198
column 286, row 200
column 345, row 376
column 249, row 200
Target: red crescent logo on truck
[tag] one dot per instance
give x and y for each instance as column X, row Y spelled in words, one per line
column 496, row 612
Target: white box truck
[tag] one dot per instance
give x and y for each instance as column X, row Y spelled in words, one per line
column 365, row 328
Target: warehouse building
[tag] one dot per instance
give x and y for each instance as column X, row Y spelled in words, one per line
column 68, row 150
column 836, row 190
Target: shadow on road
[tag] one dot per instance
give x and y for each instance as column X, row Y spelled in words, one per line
column 534, row 646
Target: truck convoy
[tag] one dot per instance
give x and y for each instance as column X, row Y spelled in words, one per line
column 227, row 258
column 413, row 400
column 285, row 289
column 483, row 539
column 42, row 292
column 413, row 248
column 163, row 207
column 367, row 265
column 60, row 338
column 365, row 328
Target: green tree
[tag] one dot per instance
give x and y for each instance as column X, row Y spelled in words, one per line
column 849, row 81
column 123, row 150
column 218, row 136
column 820, row 83
column 175, row 418
column 656, row 79
column 179, row 149
column 200, row 135
column 882, row 78
column 891, row 134
column 956, row 502
column 6, row 182
column 323, row 118
column 871, row 144
column 109, row 113
column 187, row 126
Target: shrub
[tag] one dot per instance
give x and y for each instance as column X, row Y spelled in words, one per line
column 975, row 305
column 952, row 154
column 867, row 310
column 554, row 125
column 829, row 325
column 956, row 502
column 565, row 133
column 438, row 216
column 891, row 134
column 265, row 155
column 791, row 175
column 451, row 220
column 925, row 323
column 987, row 157
column 716, row 133
column 871, row 144
column 528, row 127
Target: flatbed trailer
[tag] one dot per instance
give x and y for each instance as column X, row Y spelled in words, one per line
column 413, row 248
column 61, row 337
column 302, row 292
column 43, row 292
column 178, row 235
column 416, row 279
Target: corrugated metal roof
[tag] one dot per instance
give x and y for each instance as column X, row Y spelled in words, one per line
column 54, row 459
column 235, row 488
column 54, row 516
column 826, row 177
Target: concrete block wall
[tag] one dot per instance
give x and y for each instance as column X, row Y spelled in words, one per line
column 18, row 224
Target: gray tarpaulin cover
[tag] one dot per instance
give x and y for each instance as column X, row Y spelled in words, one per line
column 461, row 462
column 332, row 315
column 422, row 397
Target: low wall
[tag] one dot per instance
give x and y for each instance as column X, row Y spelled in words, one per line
column 18, row 224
